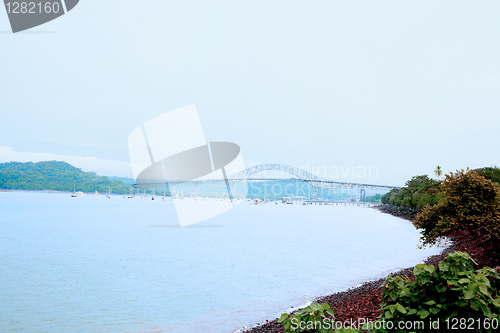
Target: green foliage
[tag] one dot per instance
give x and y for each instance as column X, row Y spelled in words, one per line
column 418, row 192
column 388, row 198
column 373, row 198
column 314, row 318
column 56, row 176
column 452, row 290
column 471, row 202
column 491, row 173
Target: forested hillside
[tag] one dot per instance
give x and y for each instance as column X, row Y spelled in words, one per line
column 54, row 175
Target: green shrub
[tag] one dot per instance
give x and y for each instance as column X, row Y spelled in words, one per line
column 453, row 290
column 451, row 294
column 310, row 319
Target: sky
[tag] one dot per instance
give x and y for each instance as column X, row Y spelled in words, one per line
column 359, row 91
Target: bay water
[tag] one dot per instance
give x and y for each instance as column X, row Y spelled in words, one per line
column 92, row 264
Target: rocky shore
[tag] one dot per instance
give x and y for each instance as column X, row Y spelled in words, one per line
column 408, row 213
column 364, row 301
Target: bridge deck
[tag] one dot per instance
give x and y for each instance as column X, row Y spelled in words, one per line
column 301, row 175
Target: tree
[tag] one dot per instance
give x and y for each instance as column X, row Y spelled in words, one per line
column 438, row 171
column 418, row 191
column 471, row 202
column 492, row 173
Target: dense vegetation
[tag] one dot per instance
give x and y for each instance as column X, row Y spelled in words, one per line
column 491, row 173
column 57, row 176
column 422, row 190
column 418, row 192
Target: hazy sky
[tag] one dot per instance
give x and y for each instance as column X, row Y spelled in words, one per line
column 398, row 86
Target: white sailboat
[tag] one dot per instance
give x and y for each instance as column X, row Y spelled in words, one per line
column 76, row 194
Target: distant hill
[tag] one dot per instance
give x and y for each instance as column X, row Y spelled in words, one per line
column 124, row 179
column 57, row 176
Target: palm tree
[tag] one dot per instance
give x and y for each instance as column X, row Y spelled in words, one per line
column 438, row 171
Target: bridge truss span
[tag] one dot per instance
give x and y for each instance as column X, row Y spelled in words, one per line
column 303, row 176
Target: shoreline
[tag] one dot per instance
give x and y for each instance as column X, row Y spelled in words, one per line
column 363, row 301
column 39, row 191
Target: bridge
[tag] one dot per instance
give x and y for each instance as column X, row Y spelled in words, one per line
column 303, row 176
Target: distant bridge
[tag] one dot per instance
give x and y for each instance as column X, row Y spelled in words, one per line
column 301, row 175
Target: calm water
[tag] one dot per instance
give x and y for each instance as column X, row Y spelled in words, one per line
column 91, row 264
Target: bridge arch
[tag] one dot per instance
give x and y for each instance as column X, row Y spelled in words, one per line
column 304, row 176
column 299, row 173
